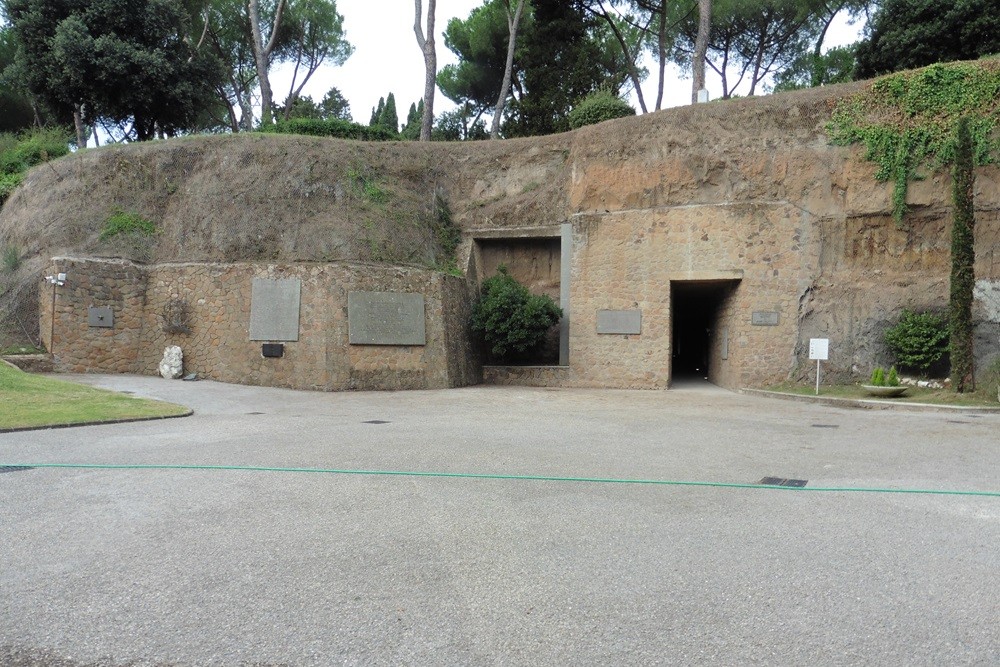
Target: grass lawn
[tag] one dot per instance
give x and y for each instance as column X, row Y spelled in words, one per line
column 981, row 398
column 29, row 400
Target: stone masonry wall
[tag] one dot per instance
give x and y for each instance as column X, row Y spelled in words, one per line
column 218, row 298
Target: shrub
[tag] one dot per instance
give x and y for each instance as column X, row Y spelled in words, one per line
column 11, row 259
column 598, row 107
column 512, row 320
column 334, row 127
column 893, row 379
column 124, row 223
column 918, row 340
column 878, row 377
column 9, row 183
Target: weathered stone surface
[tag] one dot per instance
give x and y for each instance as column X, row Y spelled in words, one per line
column 172, row 364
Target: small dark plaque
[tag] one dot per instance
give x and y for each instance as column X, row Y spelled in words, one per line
column 781, row 481
column 101, row 316
column 272, row 350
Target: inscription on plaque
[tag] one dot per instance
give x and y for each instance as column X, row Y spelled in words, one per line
column 619, row 321
column 101, row 316
column 385, row 318
column 764, row 318
column 274, row 309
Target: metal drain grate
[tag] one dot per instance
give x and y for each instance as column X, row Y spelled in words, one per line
column 781, row 481
column 826, row 425
column 255, row 413
column 14, row 468
column 376, row 421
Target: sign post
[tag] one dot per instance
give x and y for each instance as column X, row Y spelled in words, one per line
column 819, row 349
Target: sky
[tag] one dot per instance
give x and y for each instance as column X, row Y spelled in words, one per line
column 387, row 59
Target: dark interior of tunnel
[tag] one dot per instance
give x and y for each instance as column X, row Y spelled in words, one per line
column 694, row 312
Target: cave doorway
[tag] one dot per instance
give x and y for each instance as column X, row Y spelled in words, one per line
column 700, row 313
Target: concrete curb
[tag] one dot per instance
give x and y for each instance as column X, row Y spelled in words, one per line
column 870, row 404
column 95, row 423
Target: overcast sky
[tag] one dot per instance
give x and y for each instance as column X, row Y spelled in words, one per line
column 387, row 59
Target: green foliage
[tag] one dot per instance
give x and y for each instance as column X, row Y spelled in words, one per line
column 456, row 125
column 878, row 377
column 367, row 186
column 907, row 34
column 809, row 70
column 907, row 121
column 411, row 131
column 480, row 43
column 9, row 183
column 448, row 234
column 598, row 107
column 11, row 259
column 33, row 148
column 333, row 105
column 892, row 380
column 963, row 259
column 512, row 320
column 127, row 63
column 918, row 340
column 122, row 223
column 334, row 127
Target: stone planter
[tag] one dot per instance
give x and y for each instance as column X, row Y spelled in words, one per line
column 884, row 392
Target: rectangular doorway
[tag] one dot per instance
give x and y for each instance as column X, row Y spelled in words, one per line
column 700, row 314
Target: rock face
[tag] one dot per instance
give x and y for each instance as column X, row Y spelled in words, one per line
column 172, row 364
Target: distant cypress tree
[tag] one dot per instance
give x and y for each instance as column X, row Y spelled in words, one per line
column 963, row 258
column 411, row 131
column 389, row 119
column 377, row 113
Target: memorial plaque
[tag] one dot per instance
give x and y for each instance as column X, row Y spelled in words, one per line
column 385, row 318
column 274, row 309
column 764, row 318
column 101, row 316
column 619, row 321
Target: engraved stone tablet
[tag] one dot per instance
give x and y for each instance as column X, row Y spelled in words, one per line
column 764, row 318
column 619, row 321
column 274, row 309
column 385, row 318
column 101, row 316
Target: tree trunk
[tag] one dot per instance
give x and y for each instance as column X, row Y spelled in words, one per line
column 661, row 53
column 262, row 54
column 701, row 47
column 512, row 24
column 426, row 44
column 81, row 139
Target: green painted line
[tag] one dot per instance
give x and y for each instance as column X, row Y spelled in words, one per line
column 520, row 478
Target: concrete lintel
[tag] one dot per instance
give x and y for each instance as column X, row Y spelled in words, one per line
column 733, row 274
column 541, row 231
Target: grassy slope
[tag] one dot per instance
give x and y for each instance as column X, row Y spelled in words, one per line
column 34, row 401
column 982, row 398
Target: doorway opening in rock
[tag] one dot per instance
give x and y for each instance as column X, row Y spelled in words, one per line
column 700, row 314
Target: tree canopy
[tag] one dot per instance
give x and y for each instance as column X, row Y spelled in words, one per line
column 907, row 34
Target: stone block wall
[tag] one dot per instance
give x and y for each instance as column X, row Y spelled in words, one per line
column 217, row 345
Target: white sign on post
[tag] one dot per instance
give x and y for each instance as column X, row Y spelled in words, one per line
column 819, row 349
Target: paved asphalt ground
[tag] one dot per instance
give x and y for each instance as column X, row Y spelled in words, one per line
column 227, row 567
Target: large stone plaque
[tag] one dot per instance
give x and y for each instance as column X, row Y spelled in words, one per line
column 274, row 309
column 101, row 316
column 763, row 318
column 385, row 318
column 619, row 321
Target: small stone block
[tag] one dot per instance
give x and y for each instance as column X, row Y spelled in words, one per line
column 101, row 316
column 385, row 318
column 619, row 322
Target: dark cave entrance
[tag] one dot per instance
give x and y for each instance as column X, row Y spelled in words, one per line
column 699, row 312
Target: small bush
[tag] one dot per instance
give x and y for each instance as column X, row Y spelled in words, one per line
column 512, row 320
column 124, row 223
column 334, row 127
column 893, row 379
column 598, row 107
column 9, row 183
column 878, row 377
column 11, row 259
column 918, row 340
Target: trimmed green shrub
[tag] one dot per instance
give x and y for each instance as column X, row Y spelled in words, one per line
column 878, row 377
column 893, row 379
column 598, row 107
column 9, row 183
column 512, row 320
column 918, row 340
column 333, row 127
